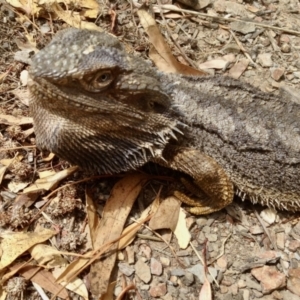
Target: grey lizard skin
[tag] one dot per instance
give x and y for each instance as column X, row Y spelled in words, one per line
column 105, row 110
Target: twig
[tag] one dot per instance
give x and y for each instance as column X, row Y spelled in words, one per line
column 172, row 8
column 201, row 260
column 132, row 18
column 47, row 198
column 174, row 41
column 273, row 42
column 148, row 237
column 223, row 249
column 273, row 243
column 164, row 240
column 124, row 291
column 242, row 48
column 16, row 148
column 265, row 229
column 97, row 254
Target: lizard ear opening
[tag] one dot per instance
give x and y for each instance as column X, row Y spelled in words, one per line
column 156, row 106
column 149, row 101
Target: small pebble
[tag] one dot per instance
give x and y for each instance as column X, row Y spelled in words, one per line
column 177, row 272
column 165, row 261
column 187, row 279
column 285, row 48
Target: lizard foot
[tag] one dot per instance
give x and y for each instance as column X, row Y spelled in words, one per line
column 210, row 181
column 199, row 203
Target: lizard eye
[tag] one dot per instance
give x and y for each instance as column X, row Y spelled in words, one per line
column 103, row 77
column 102, row 80
column 97, row 82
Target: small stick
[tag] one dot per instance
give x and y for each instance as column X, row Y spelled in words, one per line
column 174, row 41
column 242, row 48
column 172, row 8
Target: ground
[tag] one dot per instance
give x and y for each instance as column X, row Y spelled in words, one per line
column 251, row 251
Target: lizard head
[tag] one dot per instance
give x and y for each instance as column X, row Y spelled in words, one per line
column 97, row 106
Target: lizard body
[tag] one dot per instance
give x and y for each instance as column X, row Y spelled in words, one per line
column 105, row 110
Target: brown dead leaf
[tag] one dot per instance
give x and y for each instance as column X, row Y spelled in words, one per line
column 89, row 4
column 3, row 76
column 14, row 244
column 252, row 8
column 26, row 200
column 28, row 132
column 88, row 245
column 130, row 231
column 166, row 217
column 16, row 186
column 205, row 292
column 115, row 213
column 74, row 18
column 90, row 13
column 160, row 61
column 11, row 120
column 3, row 293
column 74, row 268
column 215, row 64
column 29, row 7
column 12, row 271
column 239, row 68
column 50, row 182
column 110, row 292
column 15, row 3
column 22, row 95
column 127, row 192
column 8, row 161
column 163, row 49
column 181, row 231
column 173, row 16
column 43, row 278
column 92, row 8
column 47, row 256
column 93, row 219
column 45, row 174
column 30, row 43
column 2, row 172
column 89, row 8
column 76, row 285
column 165, row 8
column 49, row 157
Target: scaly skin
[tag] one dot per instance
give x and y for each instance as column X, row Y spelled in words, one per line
column 103, row 109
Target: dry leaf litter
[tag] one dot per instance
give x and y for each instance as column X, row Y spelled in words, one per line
column 51, row 233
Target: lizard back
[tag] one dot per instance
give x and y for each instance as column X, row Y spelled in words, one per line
column 254, row 136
